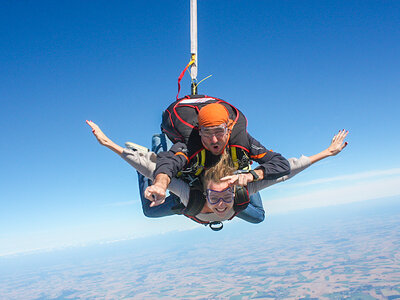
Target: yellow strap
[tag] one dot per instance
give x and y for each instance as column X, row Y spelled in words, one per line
column 234, row 157
column 203, row 157
column 192, row 60
column 202, row 163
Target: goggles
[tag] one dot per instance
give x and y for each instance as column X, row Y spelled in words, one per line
column 227, row 195
column 209, row 132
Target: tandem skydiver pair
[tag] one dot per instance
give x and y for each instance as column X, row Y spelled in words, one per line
column 207, row 169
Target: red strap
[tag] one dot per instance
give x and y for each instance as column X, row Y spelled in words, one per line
column 181, row 76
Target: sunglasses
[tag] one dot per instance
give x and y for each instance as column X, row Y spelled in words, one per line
column 227, row 195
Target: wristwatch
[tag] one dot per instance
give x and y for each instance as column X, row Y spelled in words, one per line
column 252, row 172
column 255, row 176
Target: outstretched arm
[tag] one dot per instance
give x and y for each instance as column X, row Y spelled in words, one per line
column 296, row 164
column 143, row 162
column 337, row 145
column 103, row 139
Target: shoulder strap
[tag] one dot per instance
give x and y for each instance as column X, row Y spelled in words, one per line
column 196, row 201
column 242, row 199
column 234, row 157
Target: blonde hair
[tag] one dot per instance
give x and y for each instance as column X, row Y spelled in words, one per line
column 223, row 168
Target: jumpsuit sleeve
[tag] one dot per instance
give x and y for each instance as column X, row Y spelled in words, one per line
column 172, row 161
column 297, row 165
column 273, row 164
column 143, row 162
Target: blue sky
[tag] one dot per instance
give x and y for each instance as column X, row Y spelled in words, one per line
column 299, row 70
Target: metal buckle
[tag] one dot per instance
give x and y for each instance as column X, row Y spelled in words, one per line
column 216, row 225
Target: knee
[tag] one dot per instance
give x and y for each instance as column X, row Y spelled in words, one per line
column 152, row 213
column 258, row 219
column 149, row 212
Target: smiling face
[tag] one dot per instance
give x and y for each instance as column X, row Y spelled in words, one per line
column 215, row 138
column 220, row 198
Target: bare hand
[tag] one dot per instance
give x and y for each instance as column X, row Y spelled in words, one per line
column 100, row 136
column 337, row 143
column 156, row 194
column 238, row 179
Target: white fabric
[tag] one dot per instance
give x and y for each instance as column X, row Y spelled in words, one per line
column 296, row 166
column 193, row 37
column 145, row 164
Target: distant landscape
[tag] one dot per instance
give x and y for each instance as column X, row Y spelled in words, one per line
column 344, row 252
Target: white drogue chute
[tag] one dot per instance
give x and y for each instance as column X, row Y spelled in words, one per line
column 193, row 65
column 193, row 41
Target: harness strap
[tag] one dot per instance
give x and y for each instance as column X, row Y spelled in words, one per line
column 242, row 200
column 215, row 225
column 234, row 157
column 201, row 164
column 193, row 218
column 196, row 201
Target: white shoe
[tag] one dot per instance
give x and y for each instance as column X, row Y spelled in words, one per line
column 136, row 147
